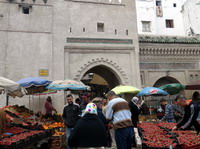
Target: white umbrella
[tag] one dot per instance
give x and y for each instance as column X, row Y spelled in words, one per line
column 2, row 90
column 11, row 88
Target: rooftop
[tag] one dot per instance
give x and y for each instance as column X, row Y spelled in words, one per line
column 168, row 39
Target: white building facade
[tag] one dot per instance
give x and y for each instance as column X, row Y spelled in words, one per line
column 160, row 17
column 191, row 17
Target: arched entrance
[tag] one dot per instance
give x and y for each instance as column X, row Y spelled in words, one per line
column 101, row 79
column 165, row 80
column 154, row 102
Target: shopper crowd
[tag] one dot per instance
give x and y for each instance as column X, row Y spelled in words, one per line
column 88, row 121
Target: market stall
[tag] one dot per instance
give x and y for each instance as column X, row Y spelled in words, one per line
column 161, row 136
column 25, row 129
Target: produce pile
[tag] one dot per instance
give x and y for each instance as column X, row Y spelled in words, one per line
column 168, row 126
column 22, row 137
column 160, row 135
column 58, row 129
column 24, row 127
column 53, row 125
column 19, row 115
column 188, row 139
column 22, row 115
column 58, row 133
column 15, row 130
column 154, row 136
column 17, row 136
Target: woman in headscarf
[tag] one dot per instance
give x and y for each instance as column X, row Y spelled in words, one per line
column 89, row 131
column 99, row 103
column 135, row 110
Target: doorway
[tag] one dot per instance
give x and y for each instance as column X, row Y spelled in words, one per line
column 165, row 80
column 101, row 79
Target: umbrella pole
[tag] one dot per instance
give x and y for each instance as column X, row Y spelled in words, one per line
column 170, row 99
column 33, row 108
column 33, row 102
column 7, row 99
column 29, row 104
column 150, row 105
column 39, row 102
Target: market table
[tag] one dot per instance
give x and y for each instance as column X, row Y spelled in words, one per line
column 25, row 130
column 161, row 136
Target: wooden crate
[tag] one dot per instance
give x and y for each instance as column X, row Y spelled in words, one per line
column 148, row 117
column 57, row 142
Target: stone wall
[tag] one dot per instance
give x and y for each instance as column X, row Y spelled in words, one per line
column 40, row 37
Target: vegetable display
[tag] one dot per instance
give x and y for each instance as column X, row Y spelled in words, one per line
column 154, row 136
column 13, row 140
column 160, row 135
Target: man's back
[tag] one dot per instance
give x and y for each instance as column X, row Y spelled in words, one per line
column 118, row 110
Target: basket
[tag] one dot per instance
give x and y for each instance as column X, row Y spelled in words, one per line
column 195, row 146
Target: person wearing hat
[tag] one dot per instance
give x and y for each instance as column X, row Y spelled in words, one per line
column 89, row 131
column 86, row 100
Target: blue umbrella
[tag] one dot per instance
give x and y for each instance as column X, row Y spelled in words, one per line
column 34, row 84
column 33, row 81
column 148, row 91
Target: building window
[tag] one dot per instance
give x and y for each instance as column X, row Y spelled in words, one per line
column 142, row 79
column 70, row 29
column 100, row 27
column 169, row 23
column 146, row 26
column 25, row 10
column 127, row 32
column 158, row 3
column 174, row 4
column 84, row 29
column 191, row 78
column 196, row 77
column 115, row 31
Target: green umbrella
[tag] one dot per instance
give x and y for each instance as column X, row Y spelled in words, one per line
column 125, row 89
column 173, row 88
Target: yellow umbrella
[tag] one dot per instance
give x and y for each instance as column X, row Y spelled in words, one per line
column 121, row 89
